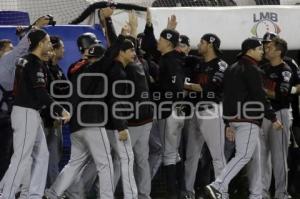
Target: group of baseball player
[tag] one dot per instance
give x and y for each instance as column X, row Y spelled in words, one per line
column 134, row 104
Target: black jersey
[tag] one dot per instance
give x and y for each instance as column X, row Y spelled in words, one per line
column 210, row 76
column 171, row 80
column 30, row 86
column 278, row 79
column 244, row 98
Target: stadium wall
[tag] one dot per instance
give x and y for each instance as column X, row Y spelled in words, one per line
column 231, row 24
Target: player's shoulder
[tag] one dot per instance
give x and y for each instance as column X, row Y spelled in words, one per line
column 286, row 67
column 289, row 60
column 194, row 57
column 24, row 60
column 116, row 70
column 291, row 63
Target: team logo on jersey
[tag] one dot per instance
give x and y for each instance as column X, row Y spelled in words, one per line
column 222, row 66
column 41, row 80
column 22, row 62
column 265, row 22
column 286, row 76
column 40, row 75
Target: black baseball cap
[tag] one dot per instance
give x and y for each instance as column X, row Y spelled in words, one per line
column 137, row 43
column 250, row 43
column 34, row 37
column 132, row 39
column 96, row 50
column 170, row 35
column 215, row 40
column 184, row 40
column 126, row 44
column 268, row 36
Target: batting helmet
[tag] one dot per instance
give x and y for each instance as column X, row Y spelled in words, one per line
column 96, row 50
column 85, row 41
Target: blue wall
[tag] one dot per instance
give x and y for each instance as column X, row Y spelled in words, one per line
column 14, row 18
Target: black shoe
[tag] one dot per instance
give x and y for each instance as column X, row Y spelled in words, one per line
column 212, row 192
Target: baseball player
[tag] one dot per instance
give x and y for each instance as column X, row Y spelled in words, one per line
column 88, row 174
column 295, row 82
column 89, row 170
column 117, row 124
column 78, row 189
column 52, row 127
column 171, row 80
column 7, row 74
column 152, row 55
column 277, row 83
column 140, row 124
column 184, row 48
column 123, row 51
column 88, row 135
column 267, row 38
column 243, row 92
column 207, row 77
column 170, row 119
column 29, row 139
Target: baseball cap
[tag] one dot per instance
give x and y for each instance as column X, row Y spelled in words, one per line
column 184, row 40
column 137, row 43
column 96, row 50
column 213, row 39
column 126, row 44
column 170, row 35
column 268, row 36
column 132, row 39
column 34, row 37
column 248, row 44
